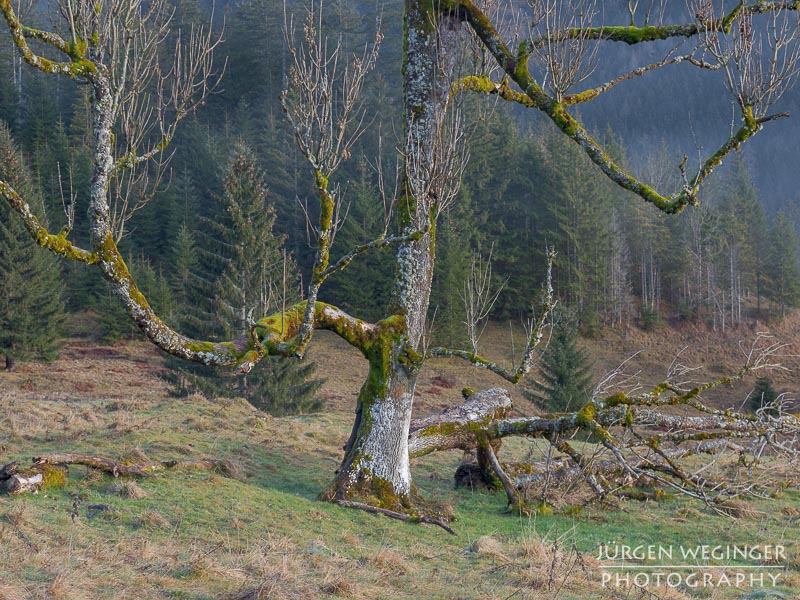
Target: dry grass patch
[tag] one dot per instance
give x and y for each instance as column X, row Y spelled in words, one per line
column 390, row 561
column 553, row 566
column 738, row 509
column 153, row 520
column 488, row 547
column 790, row 511
column 687, row 513
column 126, row 489
column 11, row 592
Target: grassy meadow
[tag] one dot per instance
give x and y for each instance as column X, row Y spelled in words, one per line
column 256, row 530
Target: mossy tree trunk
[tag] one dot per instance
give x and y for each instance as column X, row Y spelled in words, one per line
column 376, row 468
column 376, row 464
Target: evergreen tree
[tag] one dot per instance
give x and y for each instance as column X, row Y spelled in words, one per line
column 763, row 394
column 282, row 386
column 565, row 371
column 457, row 236
column 253, row 257
column 31, row 305
column 243, row 266
column 508, row 204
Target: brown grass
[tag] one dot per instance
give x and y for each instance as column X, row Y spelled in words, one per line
column 11, row 592
column 126, row 489
column 738, row 509
column 254, row 549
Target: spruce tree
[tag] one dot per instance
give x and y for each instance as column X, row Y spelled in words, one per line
column 242, row 266
column 31, row 305
column 763, row 394
column 252, row 256
column 564, row 381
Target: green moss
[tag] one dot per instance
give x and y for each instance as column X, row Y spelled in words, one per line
column 585, row 416
column 77, row 50
column 52, row 475
column 617, row 399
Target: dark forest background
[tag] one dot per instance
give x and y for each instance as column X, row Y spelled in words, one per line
column 732, row 261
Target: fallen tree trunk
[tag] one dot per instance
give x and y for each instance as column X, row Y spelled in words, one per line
column 100, row 463
column 50, row 470
column 457, row 426
column 143, row 469
column 16, row 480
column 627, row 441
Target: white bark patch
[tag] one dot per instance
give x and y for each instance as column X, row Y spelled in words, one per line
column 385, row 450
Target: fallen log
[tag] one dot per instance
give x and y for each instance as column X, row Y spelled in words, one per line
column 100, row 463
column 143, row 469
column 456, row 427
column 16, row 480
column 50, row 470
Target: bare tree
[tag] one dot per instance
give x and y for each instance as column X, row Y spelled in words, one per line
column 479, row 297
column 110, row 47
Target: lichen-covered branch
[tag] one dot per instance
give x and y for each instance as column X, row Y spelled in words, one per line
column 591, row 94
column 78, row 65
column 378, row 244
column 633, row 34
column 56, row 243
column 531, row 94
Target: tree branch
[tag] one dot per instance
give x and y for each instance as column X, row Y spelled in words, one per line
column 79, row 65
column 633, row 34
column 377, row 244
column 593, row 93
column 534, row 339
column 516, row 68
column 58, row 244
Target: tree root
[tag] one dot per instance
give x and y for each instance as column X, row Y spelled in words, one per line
column 395, row 515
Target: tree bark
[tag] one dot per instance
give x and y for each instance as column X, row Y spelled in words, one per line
column 457, row 426
column 376, row 467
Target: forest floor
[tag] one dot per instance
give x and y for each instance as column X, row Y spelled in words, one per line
column 257, row 530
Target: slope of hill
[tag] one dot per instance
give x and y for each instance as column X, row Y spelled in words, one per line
column 255, row 529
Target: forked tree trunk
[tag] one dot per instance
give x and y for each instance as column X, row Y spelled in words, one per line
column 376, row 464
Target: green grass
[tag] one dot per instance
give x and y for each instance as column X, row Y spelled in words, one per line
column 198, row 534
